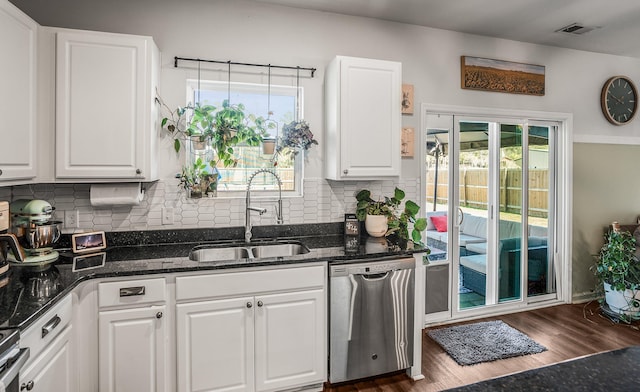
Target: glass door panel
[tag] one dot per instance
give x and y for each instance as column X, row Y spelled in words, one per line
column 540, row 271
column 437, row 192
column 510, row 202
column 473, row 178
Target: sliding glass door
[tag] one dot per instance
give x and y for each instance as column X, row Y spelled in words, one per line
column 502, row 203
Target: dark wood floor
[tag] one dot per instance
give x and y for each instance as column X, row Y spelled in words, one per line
column 568, row 331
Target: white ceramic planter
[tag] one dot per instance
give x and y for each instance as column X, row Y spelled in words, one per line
column 625, row 302
column 376, row 225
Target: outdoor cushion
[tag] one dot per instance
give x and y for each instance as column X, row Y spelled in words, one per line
column 475, row 262
column 477, row 247
column 440, row 222
column 430, row 225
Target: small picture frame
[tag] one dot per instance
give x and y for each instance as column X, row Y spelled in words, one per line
column 88, row 242
column 407, row 99
column 351, row 225
column 87, row 262
column 407, row 142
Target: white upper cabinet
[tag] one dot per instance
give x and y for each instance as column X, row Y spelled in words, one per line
column 18, row 39
column 363, row 118
column 105, row 110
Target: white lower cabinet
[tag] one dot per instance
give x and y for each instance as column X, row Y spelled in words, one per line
column 52, row 370
column 215, row 345
column 132, row 341
column 271, row 335
column 51, row 365
column 289, row 339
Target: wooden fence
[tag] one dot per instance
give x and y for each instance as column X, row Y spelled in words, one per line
column 473, row 189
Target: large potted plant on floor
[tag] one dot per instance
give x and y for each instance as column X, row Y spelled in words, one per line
column 618, row 270
column 384, row 217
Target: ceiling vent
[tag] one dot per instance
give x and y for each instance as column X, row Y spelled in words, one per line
column 575, row 29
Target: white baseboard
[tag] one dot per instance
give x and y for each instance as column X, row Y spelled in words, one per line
column 579, row 298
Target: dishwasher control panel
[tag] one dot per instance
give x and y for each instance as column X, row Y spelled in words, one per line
column 365, row 267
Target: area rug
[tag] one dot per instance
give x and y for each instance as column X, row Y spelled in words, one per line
column 487, row 341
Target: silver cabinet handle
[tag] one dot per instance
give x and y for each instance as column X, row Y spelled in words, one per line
column 28, row 386
column 51, row 325
column 131, row 291
column 345, row 171
column 138, row 171
column 0, row 172
column 249, row 304
column 260, row 304
column 159, row 315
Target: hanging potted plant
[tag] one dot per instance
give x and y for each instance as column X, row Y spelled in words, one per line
column 618, row 271
column 296, row 137
column 232, row 127
column 385, row 217
column 222, row 128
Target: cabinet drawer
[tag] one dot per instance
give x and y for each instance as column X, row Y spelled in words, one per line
column 131, row 292
column 242, row 283
column 47, row 327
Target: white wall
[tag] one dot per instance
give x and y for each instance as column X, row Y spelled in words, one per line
column 253, row 32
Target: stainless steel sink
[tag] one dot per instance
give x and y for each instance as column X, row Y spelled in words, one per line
column 259, row 250
column 278, row 250
column 208, row 253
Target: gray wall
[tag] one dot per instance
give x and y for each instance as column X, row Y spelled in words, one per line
column 606, row 188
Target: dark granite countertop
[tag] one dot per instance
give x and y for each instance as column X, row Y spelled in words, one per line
column 26, row 292
column 609, row 371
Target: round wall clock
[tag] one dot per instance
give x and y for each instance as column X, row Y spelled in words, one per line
column 619, row 100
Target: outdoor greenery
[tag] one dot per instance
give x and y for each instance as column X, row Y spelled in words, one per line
column 398, row 219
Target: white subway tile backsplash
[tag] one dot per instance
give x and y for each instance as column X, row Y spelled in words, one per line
column 323, row 201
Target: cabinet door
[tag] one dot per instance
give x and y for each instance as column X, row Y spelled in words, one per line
column 290, row 340
column 132, row 346
column 102, row 113
column 18, row 35
column 53, row 370
column 215, row 345
column 363, row 117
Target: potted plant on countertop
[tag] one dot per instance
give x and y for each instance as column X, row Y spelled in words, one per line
column 618, row 271
column 385, row 217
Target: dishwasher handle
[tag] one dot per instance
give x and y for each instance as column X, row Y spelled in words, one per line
column 375, row 276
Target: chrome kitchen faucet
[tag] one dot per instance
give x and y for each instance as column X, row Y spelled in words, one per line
column 249, row 208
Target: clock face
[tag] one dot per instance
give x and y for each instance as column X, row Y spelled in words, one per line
column 619, row 100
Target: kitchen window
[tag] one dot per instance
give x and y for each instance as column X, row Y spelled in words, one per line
column 284, row 104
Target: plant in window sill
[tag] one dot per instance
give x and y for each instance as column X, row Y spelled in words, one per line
column 296, row 136
column 197, row 181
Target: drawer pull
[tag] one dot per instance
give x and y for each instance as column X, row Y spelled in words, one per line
column 131, row 291
column 260, row 304
column 249, row 305
column 28, row 386
column 159, row 315
column 51, row 325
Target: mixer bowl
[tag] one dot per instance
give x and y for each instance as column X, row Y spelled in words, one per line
column 41, row 235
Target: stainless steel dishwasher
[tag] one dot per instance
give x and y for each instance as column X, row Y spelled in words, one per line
column 371, row 318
